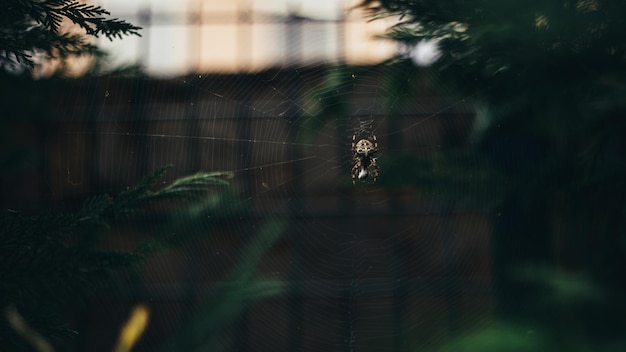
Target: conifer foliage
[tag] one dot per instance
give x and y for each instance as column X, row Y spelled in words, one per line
column 34, row 27
column 548, row 79
column 51, row 261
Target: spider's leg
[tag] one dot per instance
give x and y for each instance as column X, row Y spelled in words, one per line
column 376, row 169
column 355, row 169
column 357, row 161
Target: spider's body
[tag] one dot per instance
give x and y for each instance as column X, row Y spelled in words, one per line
column 364, row 157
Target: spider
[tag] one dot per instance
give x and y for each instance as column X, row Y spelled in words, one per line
column 364, row 158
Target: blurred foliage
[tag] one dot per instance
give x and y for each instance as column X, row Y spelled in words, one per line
column 31, row 30
column 550, row 74
column 564, row 296
column 51, row 262
column 547, row 156
column 502, row 337
column 133, row 329
column 204, row 332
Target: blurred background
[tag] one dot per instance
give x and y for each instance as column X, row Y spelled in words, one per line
column 199, row 174
column 181, row 37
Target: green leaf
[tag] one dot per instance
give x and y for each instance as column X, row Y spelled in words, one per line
column 203, row 332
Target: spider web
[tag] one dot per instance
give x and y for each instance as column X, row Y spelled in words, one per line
column 368, row 266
